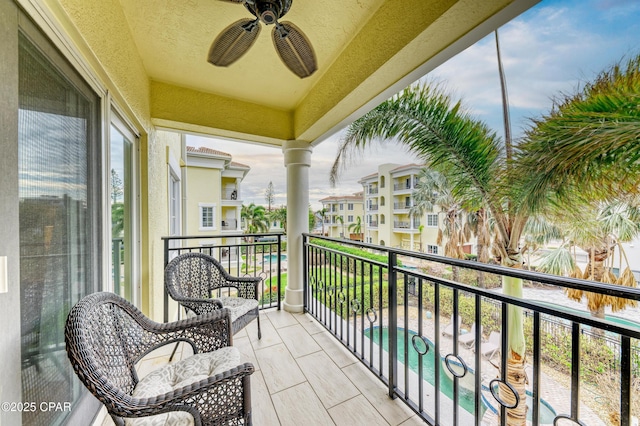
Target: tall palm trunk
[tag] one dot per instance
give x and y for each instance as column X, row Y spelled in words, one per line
column 483, row 238
column 516, row 375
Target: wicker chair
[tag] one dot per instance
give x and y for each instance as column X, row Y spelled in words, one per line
column 199, row 283
column 106, row 336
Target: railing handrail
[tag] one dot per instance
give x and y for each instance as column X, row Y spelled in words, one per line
column 541, row 277
column 341, row 306
column 229, row 257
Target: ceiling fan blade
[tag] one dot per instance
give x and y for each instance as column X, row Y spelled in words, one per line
column 233, row 42
column 294, row 49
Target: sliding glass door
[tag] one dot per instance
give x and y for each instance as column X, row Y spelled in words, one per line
column 122, row 201
column 59, row 169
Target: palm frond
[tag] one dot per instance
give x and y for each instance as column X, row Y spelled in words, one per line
column 588, row 144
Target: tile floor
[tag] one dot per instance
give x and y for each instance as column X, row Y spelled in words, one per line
column 305, row 377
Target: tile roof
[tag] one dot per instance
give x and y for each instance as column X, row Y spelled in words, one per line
column 205, row 150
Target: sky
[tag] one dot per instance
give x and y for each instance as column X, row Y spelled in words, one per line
column 550, row 50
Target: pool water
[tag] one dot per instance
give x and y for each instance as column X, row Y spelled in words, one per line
column 273, row 258
column 466, row 397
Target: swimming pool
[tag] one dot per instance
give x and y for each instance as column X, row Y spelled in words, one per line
column 273, row 258
column 466, row 397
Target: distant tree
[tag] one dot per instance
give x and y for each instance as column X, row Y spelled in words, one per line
column 312, row 219
column 356, row 227
column 117, row 188
column 434, row 190
column 321, row 215
column 340, row 219
column 117, row 220
column 280, row 215
column 255, row 219
column 269, row 196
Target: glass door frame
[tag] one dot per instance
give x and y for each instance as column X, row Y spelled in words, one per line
column 116, row 120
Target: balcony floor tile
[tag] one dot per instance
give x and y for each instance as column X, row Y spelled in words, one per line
column 304, row 376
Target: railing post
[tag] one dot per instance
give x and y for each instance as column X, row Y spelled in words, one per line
column 393, row 324
column 305, row 273
column 278, row 278
column 115, row 258
column 166, row 295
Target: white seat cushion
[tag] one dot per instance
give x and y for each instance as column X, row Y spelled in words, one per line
column 238, row 306
column 177, row 375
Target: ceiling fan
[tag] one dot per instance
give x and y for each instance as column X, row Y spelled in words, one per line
column 292, row 45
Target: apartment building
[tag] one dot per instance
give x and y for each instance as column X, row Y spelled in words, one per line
column 213, row 193
column 388, row 198
column 344, row 216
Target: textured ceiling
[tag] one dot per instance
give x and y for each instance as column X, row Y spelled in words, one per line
column 366, row 50
column 174, row 36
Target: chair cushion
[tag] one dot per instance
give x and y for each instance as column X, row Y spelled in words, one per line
column 238, row 306
column 180, row 374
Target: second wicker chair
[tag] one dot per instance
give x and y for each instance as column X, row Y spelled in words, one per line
column 198, row 282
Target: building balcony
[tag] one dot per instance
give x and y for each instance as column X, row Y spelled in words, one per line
column 399, row 187
column 373, row 224
column 373, row 208
column 229, row 225
column 346, row 353
column 401, row 206
column 230, row 195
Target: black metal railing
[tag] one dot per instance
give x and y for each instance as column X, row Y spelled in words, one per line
column 117, row 258
column 395, row 309
column 241, row 255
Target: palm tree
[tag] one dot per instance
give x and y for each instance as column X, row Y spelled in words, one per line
column 341, row 220
column 280, row 215
column 588, row 143
column 587, row 147
column 255, row 219
column 598, row 232
column 434, row 190
column 322, row 213
column 356, row 227
column 476, row 163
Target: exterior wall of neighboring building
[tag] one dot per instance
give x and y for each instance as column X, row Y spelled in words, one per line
column 341, row 213
column 388, row 197
column 213, row 195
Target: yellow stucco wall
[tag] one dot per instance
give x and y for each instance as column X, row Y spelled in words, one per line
column 204, row 187
column 110, row 50
column 155, row 218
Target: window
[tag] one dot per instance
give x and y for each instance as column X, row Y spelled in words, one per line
column 341, row 206
column 381, row 181
column 382, row 201
column 350, row 206
column 382, row 219
column 350, row 218
column 207, row 216
column 432, row 220
column 174, row 204
column 432, row 249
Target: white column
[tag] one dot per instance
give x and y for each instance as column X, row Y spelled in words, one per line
column 297, row 160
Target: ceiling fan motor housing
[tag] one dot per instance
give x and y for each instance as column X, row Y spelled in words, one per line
column 269, row 11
